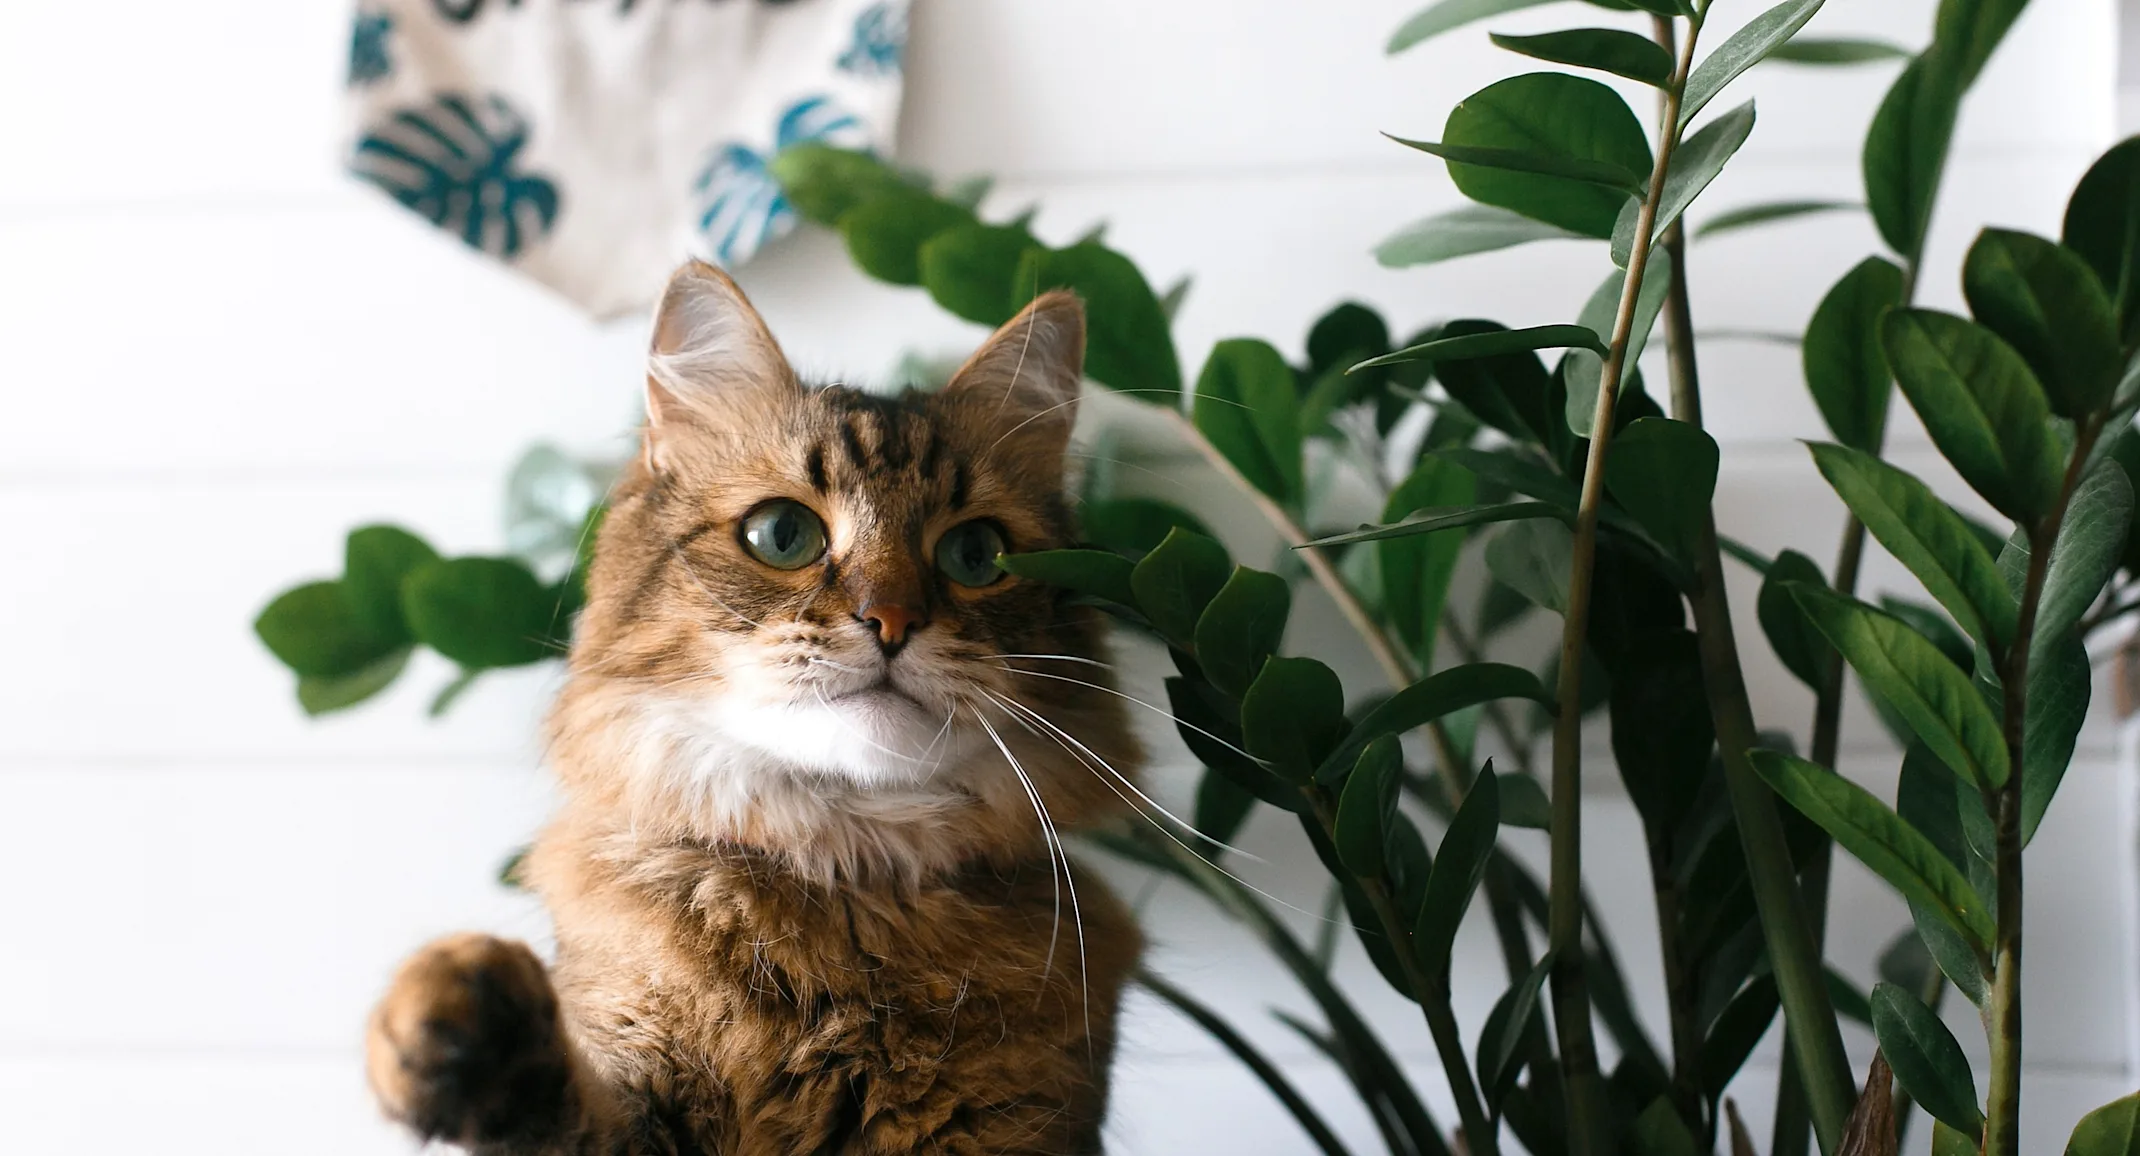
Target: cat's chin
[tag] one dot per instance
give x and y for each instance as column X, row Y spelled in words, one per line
column 875, row 737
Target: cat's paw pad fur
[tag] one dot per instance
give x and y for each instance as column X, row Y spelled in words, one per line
column 466, row 1047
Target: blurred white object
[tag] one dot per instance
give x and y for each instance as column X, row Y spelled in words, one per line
column 593, row 145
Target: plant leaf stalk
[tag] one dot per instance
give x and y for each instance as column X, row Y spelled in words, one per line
column 1589, row 1131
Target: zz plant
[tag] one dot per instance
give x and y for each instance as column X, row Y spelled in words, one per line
column 1591, row 500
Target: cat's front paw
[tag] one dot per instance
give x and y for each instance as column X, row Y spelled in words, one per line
column 466, row 1045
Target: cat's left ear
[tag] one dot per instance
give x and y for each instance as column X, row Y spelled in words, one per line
column 1026, row 374
column 712, row 360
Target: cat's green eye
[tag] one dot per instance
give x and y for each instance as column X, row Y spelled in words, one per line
column 784, row 535
column 967, row 553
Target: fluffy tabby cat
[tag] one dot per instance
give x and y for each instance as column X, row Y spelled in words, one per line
column 814, row 746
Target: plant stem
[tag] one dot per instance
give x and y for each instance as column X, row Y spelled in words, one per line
column 1216, row 1026
column 1588, row 1128
column 1385, row 653
column 1480, row 1137
column 1793, row 953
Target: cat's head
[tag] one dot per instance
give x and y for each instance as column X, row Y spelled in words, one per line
column 797, row 636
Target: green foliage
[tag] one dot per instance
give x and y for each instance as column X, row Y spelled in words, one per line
column 1247, row 407
column 1604, row 49
column 2043, row 299
column 482, row 612
column 1462, row 232
column 1845, row 365
column 1743, row 49
column 1926, row 1058
column 1982, row 406
column 1561, row 149
column 2111, row 1130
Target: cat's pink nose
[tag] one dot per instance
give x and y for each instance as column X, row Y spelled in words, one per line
column 892, row 621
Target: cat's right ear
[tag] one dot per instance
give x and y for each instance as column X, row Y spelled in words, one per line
column 712, row 362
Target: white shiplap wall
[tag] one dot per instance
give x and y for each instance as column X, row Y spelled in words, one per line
column 216, row 355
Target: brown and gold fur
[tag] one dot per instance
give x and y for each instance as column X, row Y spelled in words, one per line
column 787, row 925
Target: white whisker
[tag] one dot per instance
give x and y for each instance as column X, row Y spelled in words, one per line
column 1063, row 658
column 692, row 572
column 1165, row 714
column 1067, row 878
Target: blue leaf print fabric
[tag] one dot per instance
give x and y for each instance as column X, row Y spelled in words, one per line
column 457, row 162
column 742, row 206
column 880, row 39
column 593, row 144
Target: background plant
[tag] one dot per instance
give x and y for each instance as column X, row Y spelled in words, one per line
column 1589, row 499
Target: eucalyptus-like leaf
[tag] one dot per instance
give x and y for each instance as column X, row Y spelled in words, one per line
column 1695, row 163
column 825, row 183
column 1293, row 716
column 1906, row 151
column 1585, row 368
column 885, row 234
column 1910, row 673
column 1845, row 362
column 1360, row 831
column 1971, row 29
column 1098, row 573
column 1664, row 473
column 1128, row 344
column 320, row 695
column 2102, row 224
column 1743, row 49
column 1442, row 693
column 1458, row 867
column 1240, row 628
column 1984, row 409
column 1927, row 1061
column 1799, row 645
column 1416, row 571
column 1431, row 519
column 1493, row 343
column 1879, row 838
column 481, row 612
column 1532, row 557
column 1925, row 535
column 2059, row 687
column 375, row 562
column 2111, row 1130
column 1246, row 405
column 1610, row 50
column 1837, row 50
column 315, row 630
column 1561, row 149
column 971, row 270
column 1435, row 19
column 1176, row 581
column 1461, row 232
column 1767, row 212
column 2046, row 302
column 2091, row 539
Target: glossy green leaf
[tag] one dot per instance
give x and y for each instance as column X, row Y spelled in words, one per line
column 1532, row 557
column 1432, row 519
column 1177, row 580
column 1128, row 344
column 1435, row 19
column 1905, row 151
column 1222, row 806
column 1416, row 570
column 2059, row 687
column 1747, row 216
column 1438, row 694
column 1561, row 149
column 1293, row 716
column 1905, row 963
column 1735, row 1031
column 1459, row 865
column 316, row 632
column 1926, row 1059
column 1837, row 50
column 1948, row 1142
column 826, row 182
column 2102, row 224
column 885, row 233
column 1493, row 343
column 1098, row 573
column 1743, row 49
column 1501, row 1041
column 1695, row 163
column 1798, row 644
column 1134, row 526
column 320, row 695
column 1361, row 829
column 1241, row 627
column 376, row 560
column 1972, row 29
column 1247, row 407
column 1604, row 49
column 2091, row 539
column 1511, row 392
column 1891, row 848
column 1462, row 232
column 1982, row 406
column 1925, row 535
column 1664, row 473
column 1931, row 800
column 1209, row 725
column 1845, row 362
column 1524, row 803
column 971, row 269
column 2045, row 301
column 1662, row 736
column 1658, row 1131
column 1910, row 673
column 2111, row 1130
column 1584, row 369
column 481, row 612
column 1344, row 335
